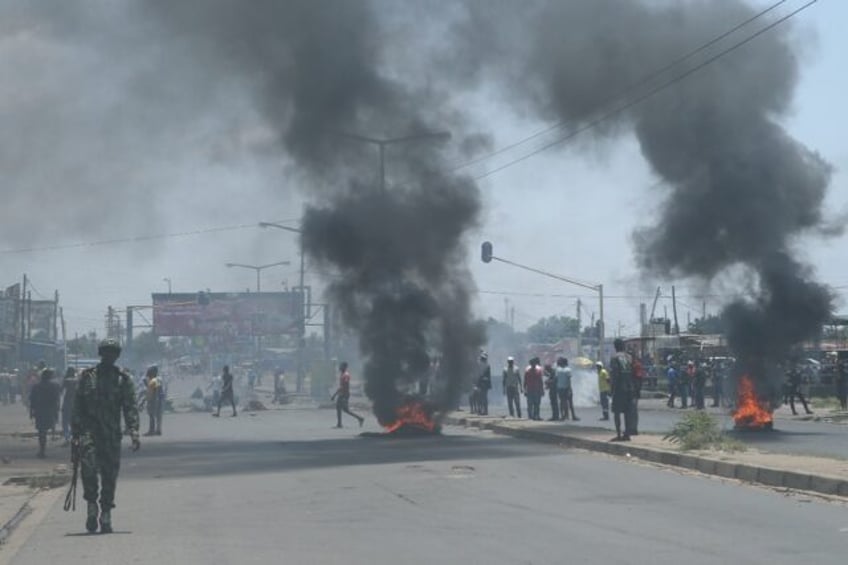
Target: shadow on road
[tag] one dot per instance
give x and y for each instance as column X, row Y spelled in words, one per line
column 223, row 457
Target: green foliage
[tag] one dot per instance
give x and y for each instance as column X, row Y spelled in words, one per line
column 708, row 326
column 699, row 430
column 553, row 329
column 147, row 346
column 84, row 346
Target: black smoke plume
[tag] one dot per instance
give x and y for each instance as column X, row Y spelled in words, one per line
column 738, row 188
column 316, row 71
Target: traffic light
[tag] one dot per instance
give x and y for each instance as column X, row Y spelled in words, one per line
column 486, row 252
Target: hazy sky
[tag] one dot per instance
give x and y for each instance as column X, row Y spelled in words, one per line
column 567, row 210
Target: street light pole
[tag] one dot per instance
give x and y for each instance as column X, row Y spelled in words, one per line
column 167, row 280
column 599, row 288
column 258, row 269
column 383, row 143
column 301, row 327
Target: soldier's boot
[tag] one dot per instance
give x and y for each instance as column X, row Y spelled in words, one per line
column 91, row 518
column 106, row 522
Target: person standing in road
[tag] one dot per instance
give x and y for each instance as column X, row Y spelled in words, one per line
column 533, row 389
column 604, row 389
column 44, row 407
column 698, row 378
column 638, row 381
column 512, row 387
column 719, row 374
column 794, row 375
column 551, row 384
column 69, row 387
column 673, row 384
column 621, row 367
column 484, row 383
column 102, row 394
column 842, row 384
column 227, row 392
column 342, row 396
column 565, row 390
column 153, row 393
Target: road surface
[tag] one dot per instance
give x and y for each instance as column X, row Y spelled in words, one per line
column 284, row 487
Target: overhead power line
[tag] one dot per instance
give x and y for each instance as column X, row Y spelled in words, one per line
column 133, row 239
column 643, row 97
column 630, row 89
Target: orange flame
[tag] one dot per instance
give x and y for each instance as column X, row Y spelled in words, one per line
column 412, row 414
column 750, row 412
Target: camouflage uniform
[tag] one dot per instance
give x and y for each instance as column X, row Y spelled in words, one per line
column 102, row 393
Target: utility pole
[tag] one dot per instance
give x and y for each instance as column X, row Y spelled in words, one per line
column 579, row 328
column 674, row 309
column 488, row 256
column 301, row 326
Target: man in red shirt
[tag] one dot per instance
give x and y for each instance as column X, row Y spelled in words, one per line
column 534, row 388
column 342, row 396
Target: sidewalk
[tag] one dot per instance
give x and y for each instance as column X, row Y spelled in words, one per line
column 23, row 476
column 818, row 474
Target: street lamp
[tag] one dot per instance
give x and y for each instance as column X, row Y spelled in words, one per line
column 258, row 269
column 167, row 280
column 302, row 318
column 487, row 256
column 382, row 143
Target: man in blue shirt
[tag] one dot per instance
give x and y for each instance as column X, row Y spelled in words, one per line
column 672, row 384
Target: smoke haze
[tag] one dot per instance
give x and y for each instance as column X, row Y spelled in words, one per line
column 738, row 189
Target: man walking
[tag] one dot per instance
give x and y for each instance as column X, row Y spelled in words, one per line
column 512, row 387
column 550, row 377
column 622, row 390
column 604, row 390
column 342, row 396
column 484, row 383
column 533, row 389
column 44, row 408
column 227, row 393
column 565, row 390
column 102, row 394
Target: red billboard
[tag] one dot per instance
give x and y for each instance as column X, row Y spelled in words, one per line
column 233, row 315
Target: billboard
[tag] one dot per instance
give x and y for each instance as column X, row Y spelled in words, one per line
column 227, row 315
column 9, row 314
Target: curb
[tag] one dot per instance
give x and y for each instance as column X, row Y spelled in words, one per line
column 13, row 522
column 767, row 476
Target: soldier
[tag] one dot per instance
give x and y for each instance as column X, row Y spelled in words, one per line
column 102, row 393
column 44, row 407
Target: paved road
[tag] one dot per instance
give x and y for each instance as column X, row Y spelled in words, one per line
column 283, row 486
column 790, row 435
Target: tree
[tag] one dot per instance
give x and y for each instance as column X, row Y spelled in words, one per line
column 147, row 347
column 709, row 325
column 84, row 346
column 553, row 329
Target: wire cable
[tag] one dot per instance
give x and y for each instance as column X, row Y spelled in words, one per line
column 649, row 94
column 628, row 90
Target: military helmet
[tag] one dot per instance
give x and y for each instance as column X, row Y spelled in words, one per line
column 109, row 343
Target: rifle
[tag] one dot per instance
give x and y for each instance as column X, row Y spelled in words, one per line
column 71, row 497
